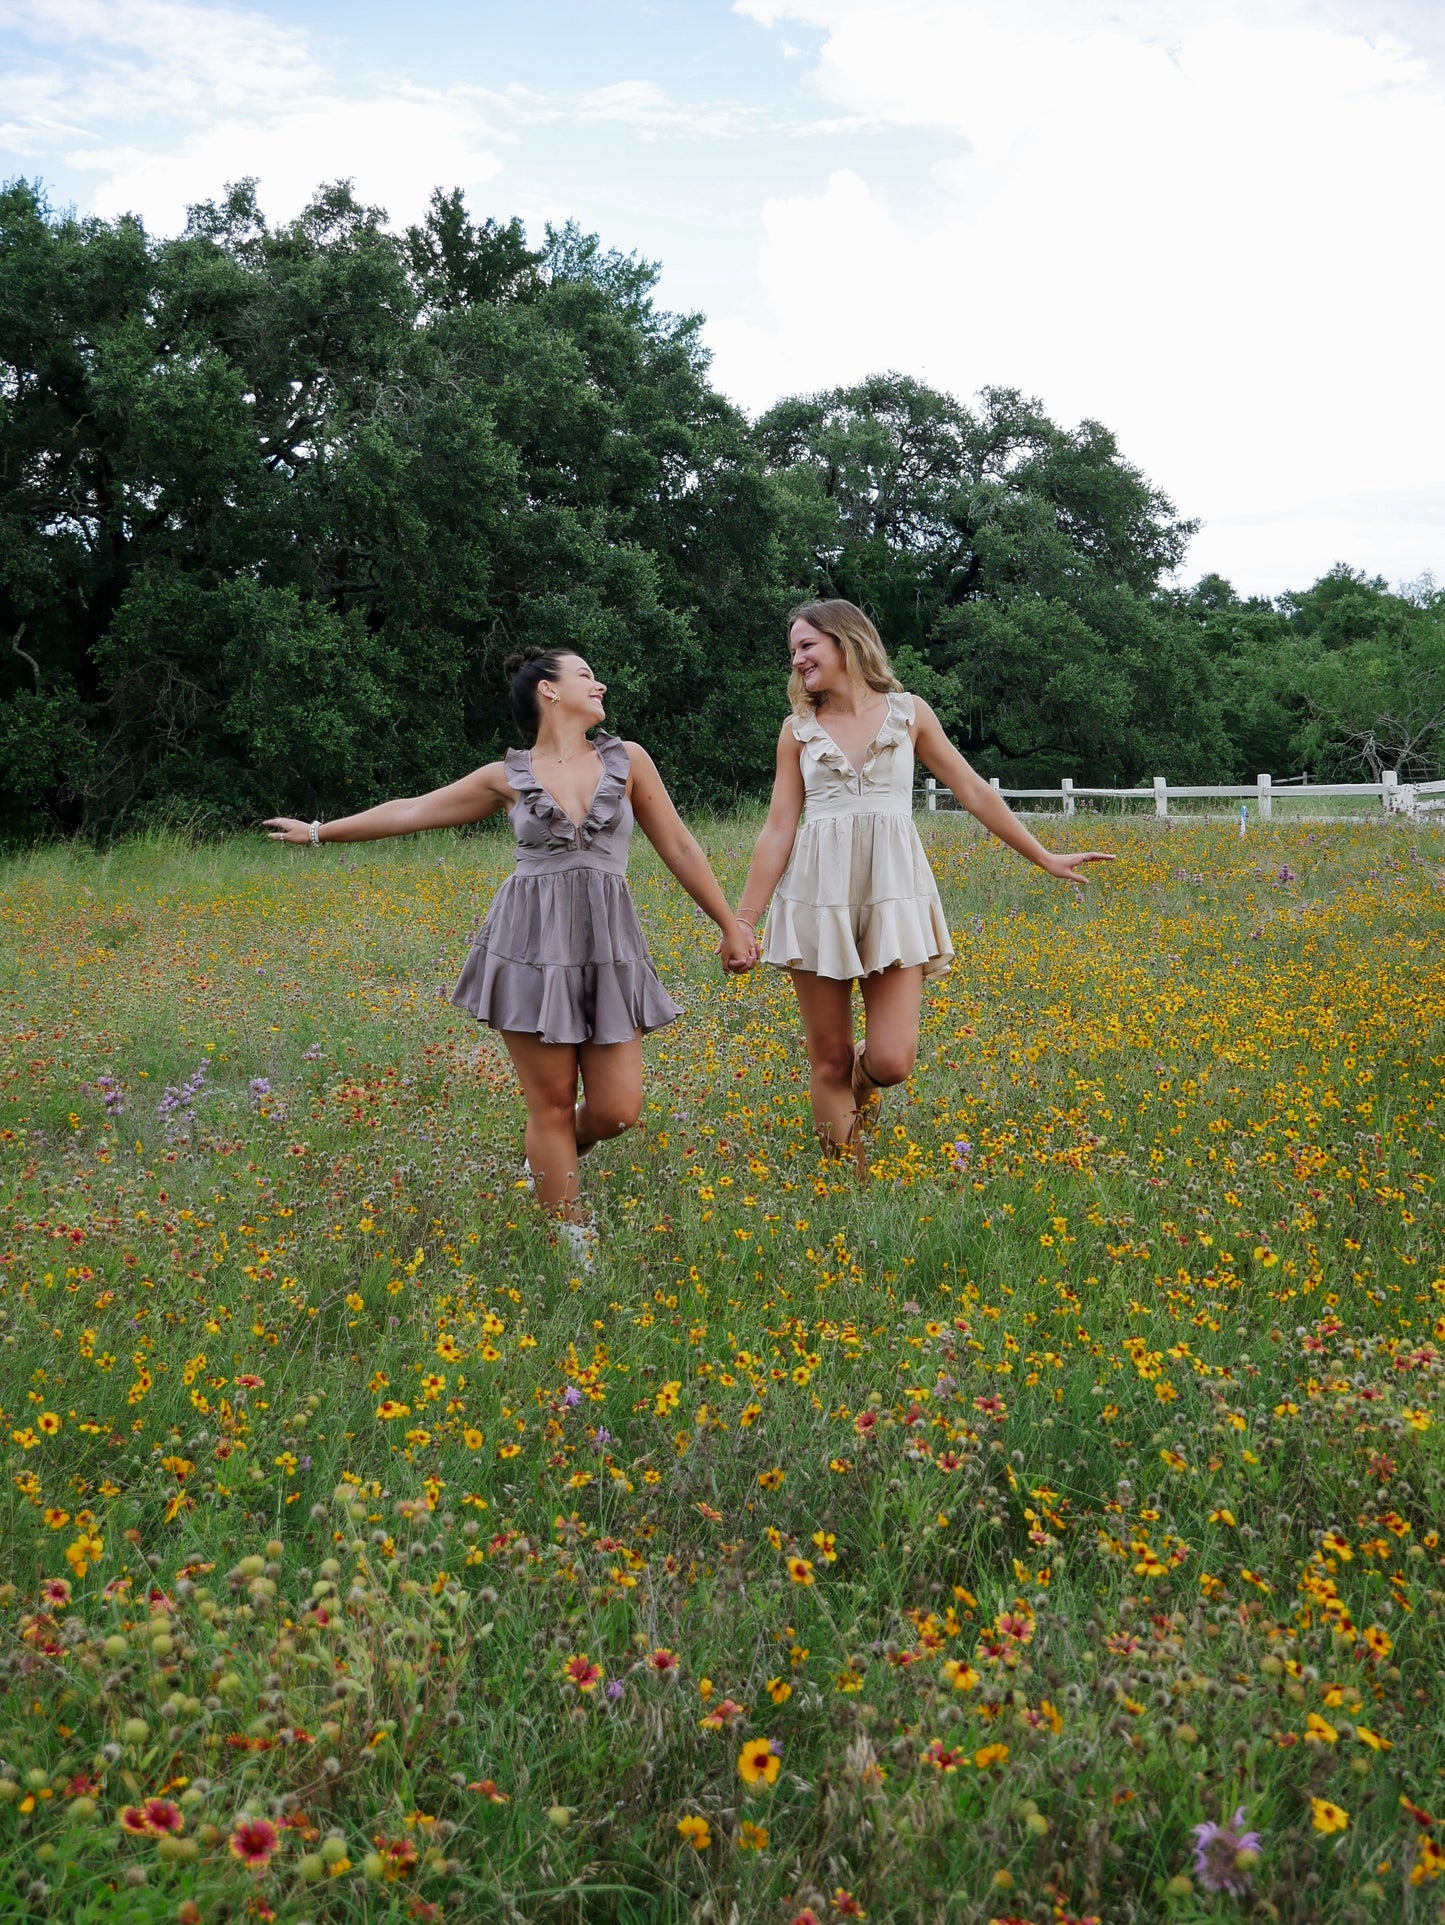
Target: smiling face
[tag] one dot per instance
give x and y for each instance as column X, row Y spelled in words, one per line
column 818, row 661
column 579, row 694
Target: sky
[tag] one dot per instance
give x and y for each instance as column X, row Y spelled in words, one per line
column 1212, row 225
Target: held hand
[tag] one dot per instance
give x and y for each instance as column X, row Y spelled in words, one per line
column 738, row 949
column 1066, row 868
column 285, row 828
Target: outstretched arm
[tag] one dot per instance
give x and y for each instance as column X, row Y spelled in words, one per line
column 675, row 843
column 942, row 759
column 778, row 833
column 473, row 798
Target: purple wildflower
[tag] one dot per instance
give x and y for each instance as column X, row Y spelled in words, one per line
column 1217, row 1851
column 571, row 1397
column 177, row 1107
column 110, row 1090
column 259, row 1086
column 962, row 1151
column 311, row 1052
column 614, row 1690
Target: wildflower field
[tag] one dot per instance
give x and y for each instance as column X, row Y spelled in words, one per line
column 1045, row 1527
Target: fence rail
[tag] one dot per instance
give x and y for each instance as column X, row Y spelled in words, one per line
column 1416, row 800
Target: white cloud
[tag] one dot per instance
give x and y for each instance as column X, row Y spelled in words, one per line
column 650, row 109
column 174, row 58
column 395, row 147
column 1208, row 223
column 1208, row 229
column 164, row 101
column 832, row 269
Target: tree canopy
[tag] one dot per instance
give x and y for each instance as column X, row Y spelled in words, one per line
column 276, row 501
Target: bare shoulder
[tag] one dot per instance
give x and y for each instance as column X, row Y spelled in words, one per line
column 927, row 731
column 639, row 760
column 788, row 736
column 471, row 798
column 491, row 778
column 642, row 772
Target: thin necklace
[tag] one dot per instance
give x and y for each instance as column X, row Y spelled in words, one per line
column 587, row 748
column 856, row 714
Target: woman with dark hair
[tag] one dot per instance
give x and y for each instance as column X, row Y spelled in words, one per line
column 560, row 965
column 853, row 896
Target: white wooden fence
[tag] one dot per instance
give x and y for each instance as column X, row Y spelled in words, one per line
column 1417, row 800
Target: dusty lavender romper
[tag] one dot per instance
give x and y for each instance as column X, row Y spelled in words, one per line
column 561, row 954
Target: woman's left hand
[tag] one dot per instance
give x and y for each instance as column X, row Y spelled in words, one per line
column 1066, row 868
column 738, row 949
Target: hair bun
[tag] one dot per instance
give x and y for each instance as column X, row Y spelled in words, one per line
column 514, row 664
column 526, row 671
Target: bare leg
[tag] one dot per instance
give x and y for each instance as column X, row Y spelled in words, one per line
column 892, row 999
column 611, row 1091
column 548, row 1075
column 826, row 1007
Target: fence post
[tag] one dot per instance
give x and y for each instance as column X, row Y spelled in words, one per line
column 1161, row 795
column 1409, row 802
column 1066, row 789
column 1389, row 787
column 993, row 781
column 1266, row 797
column 930, row 789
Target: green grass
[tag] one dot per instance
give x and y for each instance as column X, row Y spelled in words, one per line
column 1059, row 1424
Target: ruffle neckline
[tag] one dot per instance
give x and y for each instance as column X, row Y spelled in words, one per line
column 602, row 812
column 816, row 739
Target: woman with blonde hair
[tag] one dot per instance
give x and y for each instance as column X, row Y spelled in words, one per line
column 560, row 965
column 853, row 896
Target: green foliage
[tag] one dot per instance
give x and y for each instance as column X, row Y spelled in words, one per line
column 276, row 501
column 1344, row 679
column 1020, row 566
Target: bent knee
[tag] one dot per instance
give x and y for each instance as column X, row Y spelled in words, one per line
column 890, row 1064
column 611, row 1119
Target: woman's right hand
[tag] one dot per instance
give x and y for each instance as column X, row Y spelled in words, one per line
column 738, row 948
column 285, row 828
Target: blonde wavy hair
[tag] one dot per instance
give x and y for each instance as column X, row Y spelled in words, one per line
column 864, row 655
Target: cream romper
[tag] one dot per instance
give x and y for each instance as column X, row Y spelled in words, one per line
column 857, row 894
